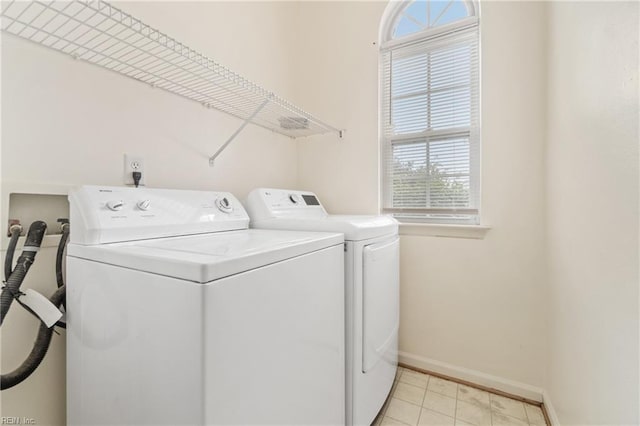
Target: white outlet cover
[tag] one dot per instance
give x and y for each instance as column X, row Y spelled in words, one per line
column 130, row 161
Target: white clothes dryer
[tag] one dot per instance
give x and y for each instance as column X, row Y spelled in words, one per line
column 371, row 289
column 178, row 314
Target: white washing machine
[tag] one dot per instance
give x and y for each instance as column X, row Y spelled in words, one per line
column 371, row 284
column 178, row 314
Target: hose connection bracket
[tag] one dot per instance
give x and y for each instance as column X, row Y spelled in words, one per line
column 14, row 224
column 64, row 223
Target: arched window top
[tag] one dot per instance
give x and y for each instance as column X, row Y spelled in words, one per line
column 416, row 16
column 430, row 111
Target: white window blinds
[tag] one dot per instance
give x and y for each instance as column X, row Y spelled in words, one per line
column 430, row 126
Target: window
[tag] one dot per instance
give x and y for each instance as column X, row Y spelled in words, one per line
column 430, row 128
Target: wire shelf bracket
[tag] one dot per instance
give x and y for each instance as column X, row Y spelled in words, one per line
column 212, row 159
column 94, row 31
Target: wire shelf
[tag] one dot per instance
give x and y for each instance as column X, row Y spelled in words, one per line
column 96, row 32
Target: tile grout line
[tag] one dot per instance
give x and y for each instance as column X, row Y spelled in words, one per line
column 526, row 415
column 425, row 390
column 508, row 416
column 421, row 404
column 441, row 393
column 455, row 412
column 491, row 409
column 393, row 396
column 423, row 398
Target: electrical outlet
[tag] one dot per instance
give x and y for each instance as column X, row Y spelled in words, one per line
column 133, row 163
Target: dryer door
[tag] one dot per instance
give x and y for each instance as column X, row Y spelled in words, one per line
column 380, row 304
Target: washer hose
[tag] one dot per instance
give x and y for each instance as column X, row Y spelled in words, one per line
column 43, row 338
column 11, row 288
column 38, row 352
column 15, row 232
column 60, row 256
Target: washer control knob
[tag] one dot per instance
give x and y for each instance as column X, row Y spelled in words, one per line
column 294, row 198
column 115, row 205
column 224, row 205
column 144, row 205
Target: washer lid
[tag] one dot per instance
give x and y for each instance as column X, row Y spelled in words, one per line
column 354, row 228
column 207, row 257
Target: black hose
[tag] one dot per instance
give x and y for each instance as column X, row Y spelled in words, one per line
column 60, row 254
column 38, row 352
column 14, row 281
column 15, row 231
column 60, row 258
column 43, row 338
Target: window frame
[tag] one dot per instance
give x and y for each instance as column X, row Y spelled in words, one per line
column 390, row 20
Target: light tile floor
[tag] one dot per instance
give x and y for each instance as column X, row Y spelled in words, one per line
column 424, row 400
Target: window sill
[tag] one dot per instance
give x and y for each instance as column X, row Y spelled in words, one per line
column 476, row 232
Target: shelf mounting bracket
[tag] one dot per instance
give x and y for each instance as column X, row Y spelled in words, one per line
column 212, row 159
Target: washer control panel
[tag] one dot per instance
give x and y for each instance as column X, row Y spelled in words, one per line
column 101, row 215
column 224, row 204
column 144, row 205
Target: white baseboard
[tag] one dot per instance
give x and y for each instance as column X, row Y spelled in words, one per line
column 548, row 406
column 505, row 385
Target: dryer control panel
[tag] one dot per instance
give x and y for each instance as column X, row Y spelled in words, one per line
column 268, row 203
column 101, row 214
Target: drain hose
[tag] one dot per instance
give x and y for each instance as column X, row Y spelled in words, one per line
column 60, row 258
column 15, row 231
column 38, row 352
column 14, row 281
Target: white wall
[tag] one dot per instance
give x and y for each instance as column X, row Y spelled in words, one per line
column 554, row 309
column 592, row 208
column 65, row 122
column 337, row 62
column 477, row 304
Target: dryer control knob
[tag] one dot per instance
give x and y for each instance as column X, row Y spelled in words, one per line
column 144, row 205
column 294, row 198
column 115, row 205
column 224, row 205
